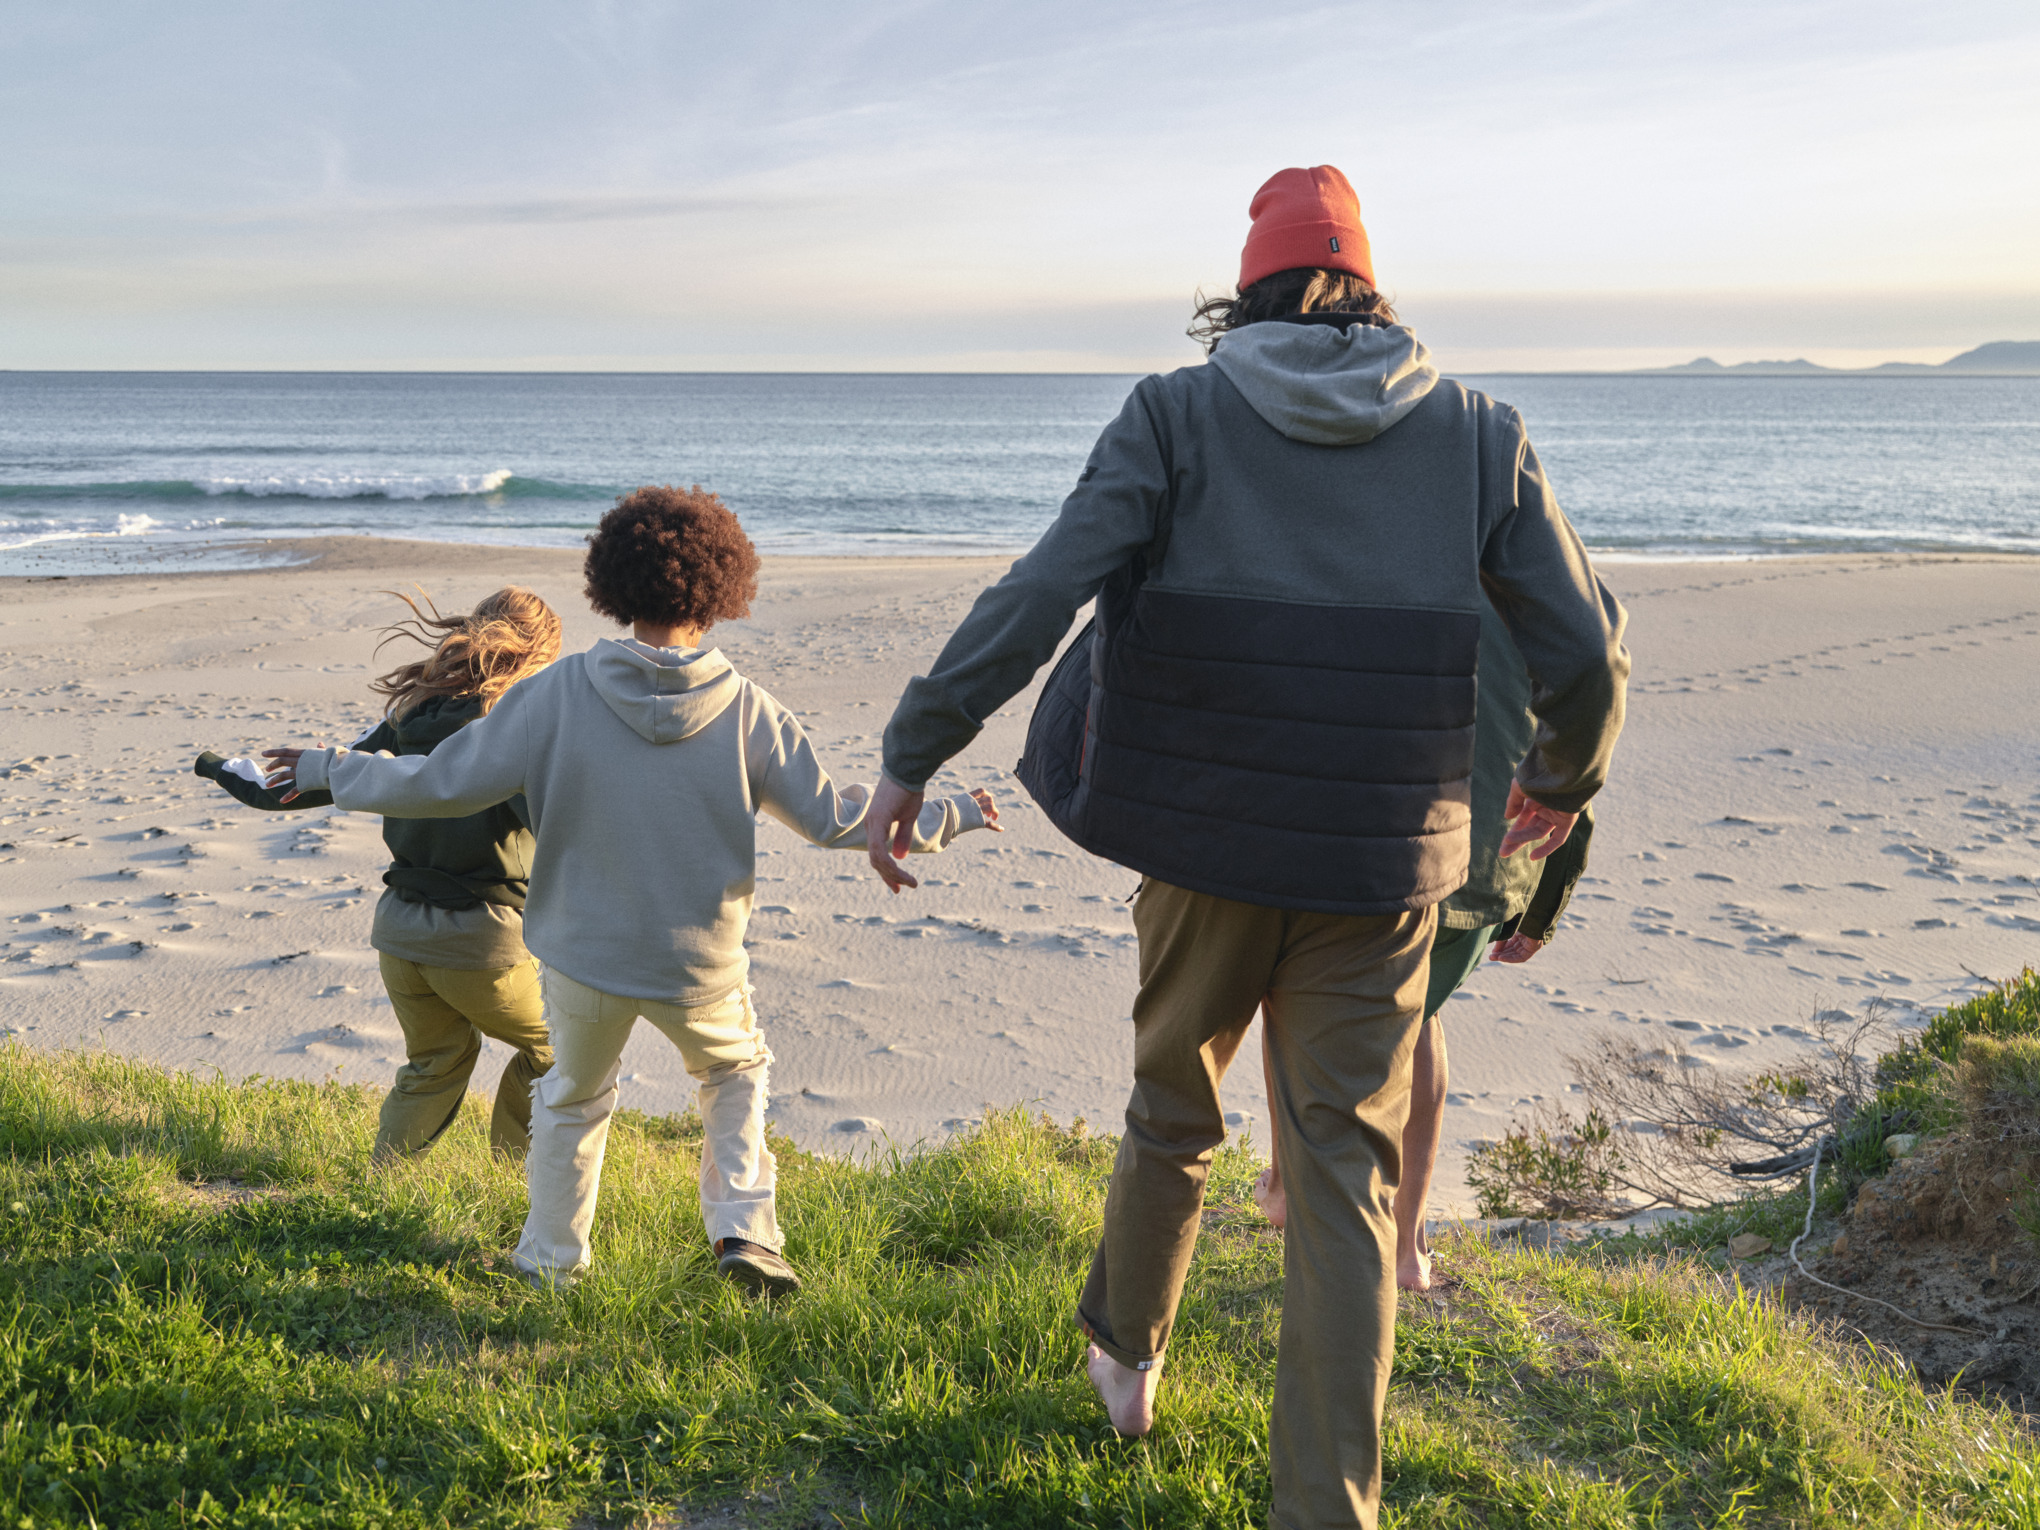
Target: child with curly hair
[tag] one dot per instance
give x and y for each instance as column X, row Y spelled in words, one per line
column 449, row 931
column 645, row 761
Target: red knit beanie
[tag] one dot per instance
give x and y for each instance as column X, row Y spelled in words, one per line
column 1305, row 218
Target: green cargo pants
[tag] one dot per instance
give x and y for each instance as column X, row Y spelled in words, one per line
column 1343, row 997
column 445, row 1013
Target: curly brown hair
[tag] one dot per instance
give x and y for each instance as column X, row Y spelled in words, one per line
column 672, row 557
column 1306, row 289
column 511, row 634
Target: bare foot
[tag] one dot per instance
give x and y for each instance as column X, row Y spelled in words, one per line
column 1271, row 1197
column 1413, row 1269
column 1128, row 1394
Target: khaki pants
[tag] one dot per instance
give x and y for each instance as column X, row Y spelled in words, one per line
column 445, row 1013
column 1343, row 998
column 724, row 1052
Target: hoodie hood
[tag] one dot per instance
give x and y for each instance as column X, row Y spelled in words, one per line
column 664, row 694
column 432, row 722
column 1324, row 385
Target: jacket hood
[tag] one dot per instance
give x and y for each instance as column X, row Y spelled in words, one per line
column 1325, row 385
column 434, row 720
column 664, row 694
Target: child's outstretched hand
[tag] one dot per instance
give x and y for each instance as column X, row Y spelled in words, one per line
column 282, row 771
column 986, row 806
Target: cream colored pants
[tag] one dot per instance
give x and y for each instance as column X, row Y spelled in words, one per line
column 726, row 1055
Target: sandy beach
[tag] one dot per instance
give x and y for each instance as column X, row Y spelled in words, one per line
column 1827, row 795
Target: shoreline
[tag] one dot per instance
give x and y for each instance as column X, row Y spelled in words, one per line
column 1825, row 797
column 254, row 555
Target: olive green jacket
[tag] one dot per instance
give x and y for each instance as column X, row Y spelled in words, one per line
column 456, row 886
column 1519, row 893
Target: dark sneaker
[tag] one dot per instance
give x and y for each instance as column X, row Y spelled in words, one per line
column 754, row 1267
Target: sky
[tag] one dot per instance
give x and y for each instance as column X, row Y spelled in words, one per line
column 964, row 186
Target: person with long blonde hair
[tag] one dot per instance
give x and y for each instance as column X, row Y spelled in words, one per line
column 449, row 929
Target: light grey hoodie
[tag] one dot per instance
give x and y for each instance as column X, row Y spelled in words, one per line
column 644, row 770
column 1330, row 387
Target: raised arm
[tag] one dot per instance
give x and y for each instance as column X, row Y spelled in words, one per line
column 481, row 765
column 243, row 779
column 1016, row 625
column 789, row 783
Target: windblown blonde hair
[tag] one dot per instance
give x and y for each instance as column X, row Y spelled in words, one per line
column 507, row 636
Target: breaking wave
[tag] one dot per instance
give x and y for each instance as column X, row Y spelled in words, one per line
column 306, row 485
column 359, row 485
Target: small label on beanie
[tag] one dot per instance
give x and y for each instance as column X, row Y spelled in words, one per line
column 1335, row 244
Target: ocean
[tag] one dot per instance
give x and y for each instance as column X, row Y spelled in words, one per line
column 106, row 469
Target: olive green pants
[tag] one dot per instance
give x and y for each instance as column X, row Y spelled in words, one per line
column 1343, row 997
column 445, row 1013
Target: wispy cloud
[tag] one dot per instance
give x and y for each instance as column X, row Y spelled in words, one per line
column 540, row 170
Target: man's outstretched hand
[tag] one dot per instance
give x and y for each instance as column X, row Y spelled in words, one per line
column 889, row 830
column 1517, row 948
column 1531, row 821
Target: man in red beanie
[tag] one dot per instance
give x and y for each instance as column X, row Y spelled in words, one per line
column 1272, row 720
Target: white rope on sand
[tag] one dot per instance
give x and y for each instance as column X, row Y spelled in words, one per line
column 1812, row 1195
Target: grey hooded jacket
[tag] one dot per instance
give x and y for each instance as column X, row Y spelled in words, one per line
column 1290, row 549
column 643, row 770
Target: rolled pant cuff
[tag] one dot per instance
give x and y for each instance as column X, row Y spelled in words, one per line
column 1133, row 1360
column 553, row 1275
column 754, row 1225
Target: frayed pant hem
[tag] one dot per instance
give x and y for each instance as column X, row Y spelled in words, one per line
column 1133, row 1360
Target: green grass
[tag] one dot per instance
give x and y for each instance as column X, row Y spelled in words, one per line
column 212, row 1313
column 1912, row 1093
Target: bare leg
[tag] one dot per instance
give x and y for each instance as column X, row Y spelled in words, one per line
column 1420, row 1138
column 1128, row 1394
column 1268, row 1193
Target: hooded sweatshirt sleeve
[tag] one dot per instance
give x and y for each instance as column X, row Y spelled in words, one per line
column 243, row 779
column 481, row 765
column 1015, row 626
column 1564, row 621
column 787, row 781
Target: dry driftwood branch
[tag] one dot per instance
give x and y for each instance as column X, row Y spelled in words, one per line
column 1685, row 1124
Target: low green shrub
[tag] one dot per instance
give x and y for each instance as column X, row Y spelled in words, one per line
column 1555, row 1167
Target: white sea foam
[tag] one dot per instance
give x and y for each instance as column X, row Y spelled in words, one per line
column 134, row 525
column 360, row 485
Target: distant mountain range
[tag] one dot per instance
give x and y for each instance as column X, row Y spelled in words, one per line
column 2000, row 358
